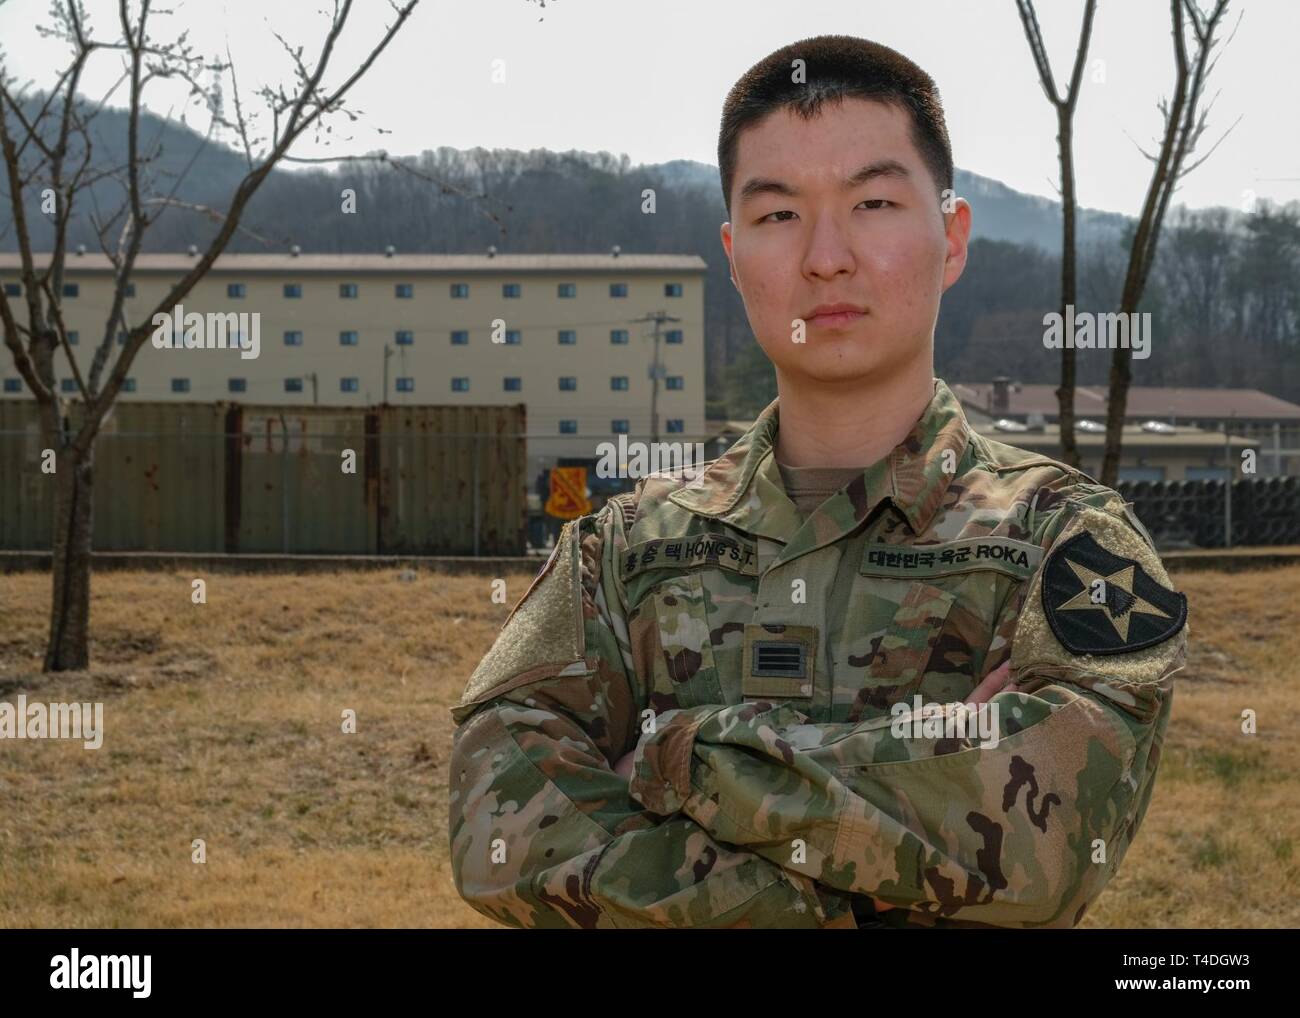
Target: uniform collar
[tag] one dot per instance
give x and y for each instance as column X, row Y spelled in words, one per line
column 743, row 487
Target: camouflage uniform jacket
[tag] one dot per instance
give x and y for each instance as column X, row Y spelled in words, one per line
column 751, row 659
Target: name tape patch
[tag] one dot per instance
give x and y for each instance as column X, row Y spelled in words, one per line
column 718, row 551
column 1015, row 558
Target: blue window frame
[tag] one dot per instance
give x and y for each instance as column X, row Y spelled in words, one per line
column 293, row 290
column 72, row 289
column 74, row 337
column 459, row 291
column 568, row 337
column 568, row 383
column 568, row 427
column 293, row 385
column 128, row 385
column 13, row 289
column 675, row 382
column 180, row 385
column 68, row 385
column 618, row 289
column 13, row 385
column 348, row 291
column 514, row 337
column 460, row 385
column 460, row 337
column 405, row 384
column 237, row 385
column 405, row 337
column 618, row 383
column 404, row 291
column 349, row 385
column 618, row 336
column 236, row 290
column 566, row 290
column 348, row 337
column 293, row 337
column 676, row 426
column 673, row 336
column 672, row 289
column 129, row 291
column 511, row 290
column 619, row 426
column 512, row 384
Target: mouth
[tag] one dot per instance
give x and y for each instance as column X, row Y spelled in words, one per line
column 830, row 316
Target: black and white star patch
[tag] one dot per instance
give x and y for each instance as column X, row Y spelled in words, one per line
column 1098, row 602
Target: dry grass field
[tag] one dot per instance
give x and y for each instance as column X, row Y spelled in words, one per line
column 223, row 723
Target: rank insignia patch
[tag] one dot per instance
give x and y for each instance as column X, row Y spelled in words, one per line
column 1101, row 603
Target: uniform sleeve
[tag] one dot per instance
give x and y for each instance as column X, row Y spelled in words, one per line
column 543, row 832
column 1020, row 824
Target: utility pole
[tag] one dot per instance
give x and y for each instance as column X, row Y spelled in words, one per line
column 388, row 352
column 314, row 393
column 656, row 369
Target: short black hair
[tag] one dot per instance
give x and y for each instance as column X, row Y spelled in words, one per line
column 836, row 67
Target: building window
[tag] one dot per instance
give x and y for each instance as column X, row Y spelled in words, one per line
column 293, row 385
column 459, row 291
column 13, row 385
column 512, row 384
column 567, row 290
column 404, row 290
column 675, row 425
column 406, row 385
column 568, row 427
column 293, row 290
column 71, row 289
column 348, row 291
column 672, row 289
column 618, row 289
column 129, row 291
column 121, row 339
column 673, row 336
column 348, row 337
column 293, row 338
column 13, row 289
column 128, row 385
column 568, row 383
column 619, row 426
column 568, row 337
column 349, row 385
column 618, row 336
column 180, row 385
column 509, row 289
column 618, row 383
column 68, row 385
column 236, row 290
column 460, row 338
column 675, row 382
column 460, row 385
column 514, row 337
column 405, row 337
column 74, row 337
column 237, row 385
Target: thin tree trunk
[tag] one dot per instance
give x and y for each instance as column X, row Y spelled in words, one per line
column 68, row 648
column 1065, row 394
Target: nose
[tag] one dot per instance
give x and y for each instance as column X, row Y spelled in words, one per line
column 829, row 252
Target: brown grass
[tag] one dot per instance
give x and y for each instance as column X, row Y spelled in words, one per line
column 224, row 724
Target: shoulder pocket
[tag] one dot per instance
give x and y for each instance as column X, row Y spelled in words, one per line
column 672, row 645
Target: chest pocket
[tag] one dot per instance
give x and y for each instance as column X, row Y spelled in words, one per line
column 894, row 633
column 672, row 643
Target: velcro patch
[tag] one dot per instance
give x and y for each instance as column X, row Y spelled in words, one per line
column 1098, row 602
column 718, row 551
column 1015, row 558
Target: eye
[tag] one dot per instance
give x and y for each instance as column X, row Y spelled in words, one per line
column 876, row 203
column 783, row 212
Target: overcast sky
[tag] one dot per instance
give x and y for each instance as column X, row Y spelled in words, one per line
column 648, row 79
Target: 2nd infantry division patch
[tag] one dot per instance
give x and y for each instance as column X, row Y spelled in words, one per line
column 1101, row 603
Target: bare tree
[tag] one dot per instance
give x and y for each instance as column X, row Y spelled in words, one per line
column 1065, row 143
column 47, row 145
column 1184, row 122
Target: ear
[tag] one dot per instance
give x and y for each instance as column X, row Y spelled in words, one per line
column 956, row 226
column 726, row 246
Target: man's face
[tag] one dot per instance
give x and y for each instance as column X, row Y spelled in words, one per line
column 805, row 234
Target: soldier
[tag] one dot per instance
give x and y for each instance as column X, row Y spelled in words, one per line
column 701, row 711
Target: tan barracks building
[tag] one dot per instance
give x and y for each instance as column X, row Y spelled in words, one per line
column 569, row 336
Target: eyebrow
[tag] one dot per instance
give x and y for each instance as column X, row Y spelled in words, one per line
column 756, row 186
